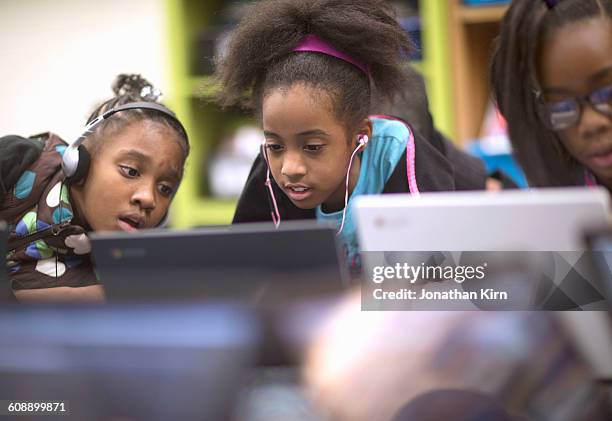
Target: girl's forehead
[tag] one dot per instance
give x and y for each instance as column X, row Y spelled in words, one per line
column 144, row 132
column 299, row 94
column 575, row 53
column 150, row 138
column 299, row 106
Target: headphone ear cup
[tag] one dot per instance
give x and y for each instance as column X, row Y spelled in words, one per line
column 82, row 167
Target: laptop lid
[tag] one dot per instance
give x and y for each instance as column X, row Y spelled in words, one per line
column 538, row 220
column 118, row 362
column 526, row 244
column 528, row 220
column 252, row 262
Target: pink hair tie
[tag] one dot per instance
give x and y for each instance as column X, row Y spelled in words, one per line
column 312, row 43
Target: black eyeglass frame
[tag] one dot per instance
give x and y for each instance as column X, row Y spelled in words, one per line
column 580, row 101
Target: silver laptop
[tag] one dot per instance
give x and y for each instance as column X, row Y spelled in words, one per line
column 546, row 225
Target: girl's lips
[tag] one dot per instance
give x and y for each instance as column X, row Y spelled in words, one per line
column 126, row 226
column 298, row 196
column 601, row 160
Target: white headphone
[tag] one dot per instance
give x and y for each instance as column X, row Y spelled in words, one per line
column 362, row 140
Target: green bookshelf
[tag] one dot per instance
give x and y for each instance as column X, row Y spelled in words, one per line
column 187, row 97
column 436, row 62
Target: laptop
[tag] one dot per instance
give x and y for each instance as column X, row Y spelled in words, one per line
column 250, row 262
column 541, row 230
column 142, row 362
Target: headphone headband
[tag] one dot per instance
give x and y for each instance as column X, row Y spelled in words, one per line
column 140, row 105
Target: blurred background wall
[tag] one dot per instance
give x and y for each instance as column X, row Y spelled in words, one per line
column 59, row 58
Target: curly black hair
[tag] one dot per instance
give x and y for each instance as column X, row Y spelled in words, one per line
column 514, row 81
column 259, row 55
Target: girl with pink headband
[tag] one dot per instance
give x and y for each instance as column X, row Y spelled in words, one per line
column 307, row 68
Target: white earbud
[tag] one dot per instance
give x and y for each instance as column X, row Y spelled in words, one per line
column 363, row 139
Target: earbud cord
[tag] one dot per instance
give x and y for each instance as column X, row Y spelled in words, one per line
column 274, row 212
column 346, row 191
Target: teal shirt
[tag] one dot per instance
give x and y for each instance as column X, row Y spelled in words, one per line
column 378, row 160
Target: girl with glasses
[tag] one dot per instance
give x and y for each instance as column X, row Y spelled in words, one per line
column 552, row 78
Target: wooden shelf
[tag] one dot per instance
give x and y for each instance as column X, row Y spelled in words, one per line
column 472, row 31
column 481, row 14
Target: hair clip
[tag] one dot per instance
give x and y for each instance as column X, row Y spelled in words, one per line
column 149, row 93
column 551, row 3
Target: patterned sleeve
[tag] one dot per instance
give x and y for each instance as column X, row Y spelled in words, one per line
column 60, row 259
column 39, row 211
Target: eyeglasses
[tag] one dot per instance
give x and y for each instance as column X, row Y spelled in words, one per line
column 567, row 113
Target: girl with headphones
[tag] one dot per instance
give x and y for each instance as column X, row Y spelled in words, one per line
column 308, row 69
column 120, row 175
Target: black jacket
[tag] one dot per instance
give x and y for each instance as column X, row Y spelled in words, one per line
column 16, row 155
